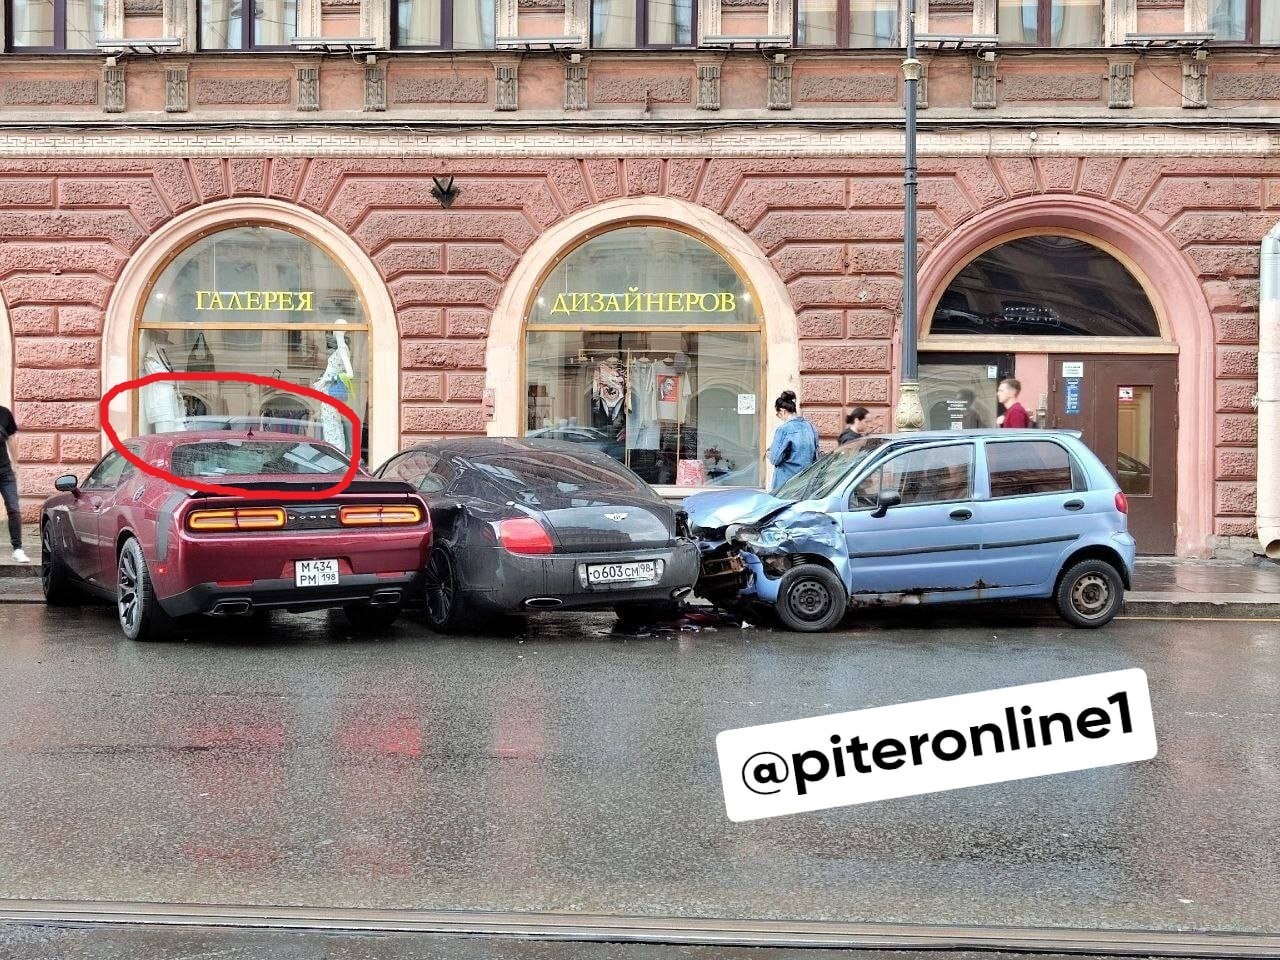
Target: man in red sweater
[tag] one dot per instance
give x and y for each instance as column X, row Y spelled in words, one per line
column 1015, row 414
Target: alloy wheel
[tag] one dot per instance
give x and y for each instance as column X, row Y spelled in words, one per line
column 127, row 599
column 46, row 557
column 440, row 586
column 1091, row 595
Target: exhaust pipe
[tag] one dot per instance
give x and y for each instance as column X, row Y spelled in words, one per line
column 231, row 608
column 543, row 603
column 679, row 593
column 385, row 598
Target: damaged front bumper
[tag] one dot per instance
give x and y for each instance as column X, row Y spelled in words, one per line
column 744, row 562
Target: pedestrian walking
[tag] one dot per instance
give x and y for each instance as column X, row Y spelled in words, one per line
column 795, row 443
column 857, row 424
column 1015, row 414
column 9, row 482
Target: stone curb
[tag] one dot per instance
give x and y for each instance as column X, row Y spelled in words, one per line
column 1232, row 606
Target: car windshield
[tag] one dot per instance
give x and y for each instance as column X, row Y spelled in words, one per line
column 820, row 479
column 533, row 476
column 247, row 458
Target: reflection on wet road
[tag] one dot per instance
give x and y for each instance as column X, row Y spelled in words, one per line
column 570, row 769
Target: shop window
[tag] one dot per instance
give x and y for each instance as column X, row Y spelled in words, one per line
column 445, row 24
column 257, row 300
column 847, row 23
column 1245, row 21
column 224, row 25
column 644, row 343
column 643, row 23
column 1045, row 286
column 1050, row 23
column 50, row 25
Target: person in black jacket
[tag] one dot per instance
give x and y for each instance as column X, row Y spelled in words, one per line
column 857, row 425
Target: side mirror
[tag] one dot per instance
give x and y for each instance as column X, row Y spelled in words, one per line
column 887, row 499
column 67, row 483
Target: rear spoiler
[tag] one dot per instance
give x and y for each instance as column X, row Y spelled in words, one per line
column 355, row 486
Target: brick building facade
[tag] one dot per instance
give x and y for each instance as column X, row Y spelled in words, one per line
column 785, row 160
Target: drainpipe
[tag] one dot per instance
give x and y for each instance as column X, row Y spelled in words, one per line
column 1268, row 398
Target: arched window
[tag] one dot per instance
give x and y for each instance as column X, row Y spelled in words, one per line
column 1045, row 286
column 644, row 342
column 259, row 300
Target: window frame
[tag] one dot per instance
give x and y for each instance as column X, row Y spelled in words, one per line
column 1044, row 28
column 1079, row 481
column 59, row 32
column 642, row 29
column 1252, row 26
column 876, row 472
column 844, row 24
column 446, row 28
column 247, row 29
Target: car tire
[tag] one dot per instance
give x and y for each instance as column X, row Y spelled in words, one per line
column 55, row 579
column 647, row 614
column 1090, row 593
column 811, row 599
column 443, row 606
column 139, row 612
column 369, row 619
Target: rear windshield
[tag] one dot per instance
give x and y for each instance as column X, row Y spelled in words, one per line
column 824, row 476
column 546, row 474
column 247, row 458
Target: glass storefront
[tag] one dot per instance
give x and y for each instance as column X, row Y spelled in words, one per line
column 256, row 300
column 644, row 343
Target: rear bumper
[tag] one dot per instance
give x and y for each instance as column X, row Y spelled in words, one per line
column 499, row 582
column 218, row 599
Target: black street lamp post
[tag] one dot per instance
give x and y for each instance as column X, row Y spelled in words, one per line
column 909, row 415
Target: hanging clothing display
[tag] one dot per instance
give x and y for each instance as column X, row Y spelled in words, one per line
column 673, row 391
column 338, row 381
column 162, row 405
column 608, row 395
column 642, row 417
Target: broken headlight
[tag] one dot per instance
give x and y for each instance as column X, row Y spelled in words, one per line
column 753, row 536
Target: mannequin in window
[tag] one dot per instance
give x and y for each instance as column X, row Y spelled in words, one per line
column 338, row 381
column 162, row 404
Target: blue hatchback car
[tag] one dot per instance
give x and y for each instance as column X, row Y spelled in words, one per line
column 934, row 517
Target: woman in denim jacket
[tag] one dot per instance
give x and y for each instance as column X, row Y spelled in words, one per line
column 795, row 444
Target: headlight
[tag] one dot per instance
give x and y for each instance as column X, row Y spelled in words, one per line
column 754, row 536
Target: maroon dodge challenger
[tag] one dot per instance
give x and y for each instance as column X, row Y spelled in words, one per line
column 162, row 553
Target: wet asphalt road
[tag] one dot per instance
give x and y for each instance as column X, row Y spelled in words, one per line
column 140, row 943
column 574, row 770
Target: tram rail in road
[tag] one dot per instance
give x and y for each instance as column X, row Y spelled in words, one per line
column 649, row 930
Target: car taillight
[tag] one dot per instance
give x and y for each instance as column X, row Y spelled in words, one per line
column 381, row 515
column 1122, row 502
column 236, row 518
column 525, row 535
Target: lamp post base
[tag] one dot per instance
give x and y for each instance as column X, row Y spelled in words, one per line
column 909, row 415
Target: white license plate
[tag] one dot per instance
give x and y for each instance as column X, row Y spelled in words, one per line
column 633, row 571
column 315, row 573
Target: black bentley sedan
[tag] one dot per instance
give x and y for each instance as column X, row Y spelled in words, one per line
column 530, row 525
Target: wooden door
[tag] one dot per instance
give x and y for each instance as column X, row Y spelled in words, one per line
column 1126, row 407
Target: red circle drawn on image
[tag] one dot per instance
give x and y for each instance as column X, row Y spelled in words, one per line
column 186, row 482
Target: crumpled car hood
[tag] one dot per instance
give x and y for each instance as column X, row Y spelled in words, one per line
column 718, row 508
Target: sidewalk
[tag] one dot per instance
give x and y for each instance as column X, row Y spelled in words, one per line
column 1162, row 587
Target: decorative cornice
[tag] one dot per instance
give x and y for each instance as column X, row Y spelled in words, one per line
column 720, row 139
column 326, row 5
column 548, row 6
column 143, row 8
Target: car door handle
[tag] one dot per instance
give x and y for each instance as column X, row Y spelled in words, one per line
column 1073, row 505
column 961, row 514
